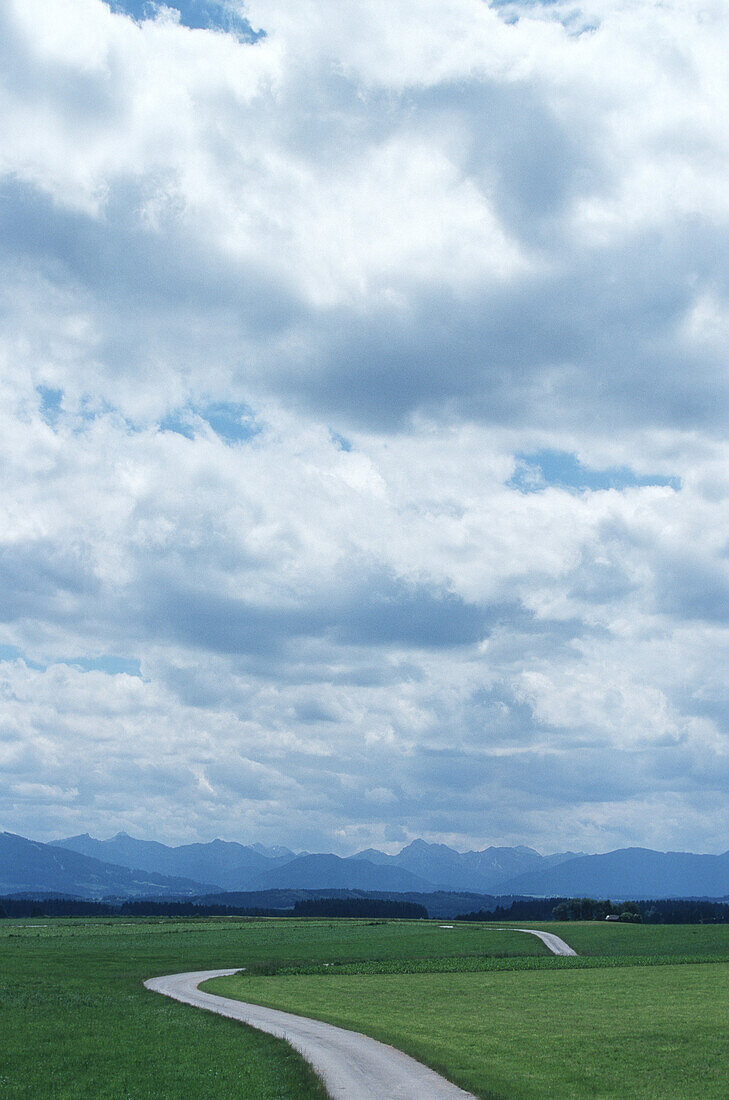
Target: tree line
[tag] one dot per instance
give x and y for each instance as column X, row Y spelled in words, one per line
column 316, row 907
column 359, row 907
column 76, row 907
column 594, row 909
column 648, row 911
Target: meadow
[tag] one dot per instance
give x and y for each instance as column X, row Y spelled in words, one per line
column 617, row 1032
column 76, row 1022
column 664, row 941
column 639, row 1013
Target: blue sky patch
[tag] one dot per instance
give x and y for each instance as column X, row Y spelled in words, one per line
column 109, row 663
column 232, row 421
column 196, row 14
column 541, row 469
column 340, row 442
column 50, row 407
column 177, row 423
column 12, row 653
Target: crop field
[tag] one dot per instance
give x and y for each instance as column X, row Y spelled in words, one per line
column 640, row 1013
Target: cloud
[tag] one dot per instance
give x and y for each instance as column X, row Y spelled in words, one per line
column 376, row 225
column 362, row 414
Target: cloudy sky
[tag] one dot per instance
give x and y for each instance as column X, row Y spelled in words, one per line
column 363, row 425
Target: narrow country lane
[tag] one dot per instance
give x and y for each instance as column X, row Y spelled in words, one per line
column 352, row 1066
column 556, row 945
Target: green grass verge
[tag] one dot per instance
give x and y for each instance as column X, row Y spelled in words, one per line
column 638, row 1032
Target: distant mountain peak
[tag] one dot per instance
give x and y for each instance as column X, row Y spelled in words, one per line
column 420, row 845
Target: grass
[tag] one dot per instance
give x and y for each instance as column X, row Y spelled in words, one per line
column 76, row 1022
column 494, row 1011
column 647, row 940
column 638, row 1032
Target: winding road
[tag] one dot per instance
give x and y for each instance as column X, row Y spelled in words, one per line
column 352, row 1066
column 554, row 943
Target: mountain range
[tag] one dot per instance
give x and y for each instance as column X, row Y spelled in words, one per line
column 229, row 865
column 127, row 867
column 631, row 873
column 419, row 866
column 27, row 866
column 475, row 871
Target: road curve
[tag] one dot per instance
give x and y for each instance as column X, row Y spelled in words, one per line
column 554, row 943
column 352, row 1066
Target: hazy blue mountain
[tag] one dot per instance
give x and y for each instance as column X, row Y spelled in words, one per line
column 630, row 873
column 496, row 864
column 439, row 864
column 27, row 865
column 475, row 871
column 229, row 865
column 373, row 855
column 233, row 866
column 122, row 865
column 276, row 851
column 560, row 857
column 314, row 872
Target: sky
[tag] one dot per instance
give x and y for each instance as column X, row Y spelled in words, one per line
column 364, row 470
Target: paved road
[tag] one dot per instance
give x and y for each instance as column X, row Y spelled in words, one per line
column 352, row 1066
column 554, row 943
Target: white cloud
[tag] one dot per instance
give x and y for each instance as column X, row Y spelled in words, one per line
column 413, row 253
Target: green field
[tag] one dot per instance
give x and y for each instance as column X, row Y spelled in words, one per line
column 655, row 1033
column 76, row 1022
column 640, row 1013
column 699, row 941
